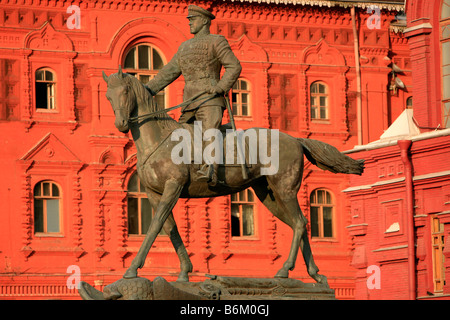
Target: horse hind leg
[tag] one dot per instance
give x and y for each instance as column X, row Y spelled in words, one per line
column 290, row 213
column 171, row 229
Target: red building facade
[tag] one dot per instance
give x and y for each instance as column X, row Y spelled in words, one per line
column 71, row 199
column 400, row 208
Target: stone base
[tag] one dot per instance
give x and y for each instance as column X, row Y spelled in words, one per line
column 214, row 288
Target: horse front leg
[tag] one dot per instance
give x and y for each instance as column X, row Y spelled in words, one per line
column 171, row 194
column 170, row 227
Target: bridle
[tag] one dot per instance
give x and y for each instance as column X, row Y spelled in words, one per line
column 184, row 104
column 136, row 119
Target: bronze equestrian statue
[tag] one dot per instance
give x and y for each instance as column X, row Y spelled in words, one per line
column 200, row 61
column 165, row 182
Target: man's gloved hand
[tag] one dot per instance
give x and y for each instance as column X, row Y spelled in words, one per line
column 216, row 90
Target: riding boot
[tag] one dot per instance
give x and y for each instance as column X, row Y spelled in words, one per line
column 205, row 173
column 208, row 173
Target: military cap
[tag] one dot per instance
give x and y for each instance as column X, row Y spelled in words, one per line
column 194, row 10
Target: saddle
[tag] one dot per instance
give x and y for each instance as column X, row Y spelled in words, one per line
column 229, row 152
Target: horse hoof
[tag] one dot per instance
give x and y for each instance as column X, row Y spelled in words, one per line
column 283, row 273
column 130, row 273
column 320, row 279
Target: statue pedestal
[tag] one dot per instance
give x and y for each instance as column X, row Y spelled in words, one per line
column 214, row 288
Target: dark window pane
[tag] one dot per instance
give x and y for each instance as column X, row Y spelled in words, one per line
column 247, row 222
column 314, row 222
column 313, row 197
column 55, row 190
column 313, row 113
column 41, row 95
column 48, row 76
column 234, row 97
column 133, row 222
column 322, row 88
column 133, row 183
column 328, row 198
column 323, row 101
column 244, row 110
column 314, row 88
column 323, row 113
column 40, row 75
column 249, row 195
column 319, row 196
column 146, row 215
column 46, row 186
column 38, row 215
column 129, row 59
column 327, row 222
column 235, row 225
column 157, row 60
column 52, row 215
column 143, row 57
column 243, row 85
column 37, row 190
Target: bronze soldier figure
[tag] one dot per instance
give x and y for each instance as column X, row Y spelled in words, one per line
column 200, row 61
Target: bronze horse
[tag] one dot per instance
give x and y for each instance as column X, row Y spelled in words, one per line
column 165, row 182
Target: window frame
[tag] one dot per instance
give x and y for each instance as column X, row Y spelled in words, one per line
column 150, row 72
column 52, row 98
column 237, row 105
column 437, row 254
column 45, row 198
column 139, row 195
column 238, row 201
column 320, row 213
column 317, row 95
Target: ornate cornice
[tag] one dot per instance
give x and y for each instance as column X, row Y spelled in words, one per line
column 387, row 5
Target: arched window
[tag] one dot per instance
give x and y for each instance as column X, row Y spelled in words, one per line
column 45, row 89
column 47, row 202
column 140, row 212
column 243, row 214
column 319, row 101
column 322, row 207
column 409, row 103
column 240, row 98
column 144, row 61
column 445, row 53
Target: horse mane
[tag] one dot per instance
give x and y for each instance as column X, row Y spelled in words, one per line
column 146, row 101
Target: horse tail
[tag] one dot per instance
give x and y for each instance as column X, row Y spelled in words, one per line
column 329, row 158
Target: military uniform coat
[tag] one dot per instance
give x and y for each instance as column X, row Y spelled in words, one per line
column 200, row 60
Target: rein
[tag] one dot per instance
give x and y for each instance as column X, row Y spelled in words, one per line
column 184, row 104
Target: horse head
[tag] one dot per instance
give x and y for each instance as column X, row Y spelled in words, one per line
column 122, row 98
